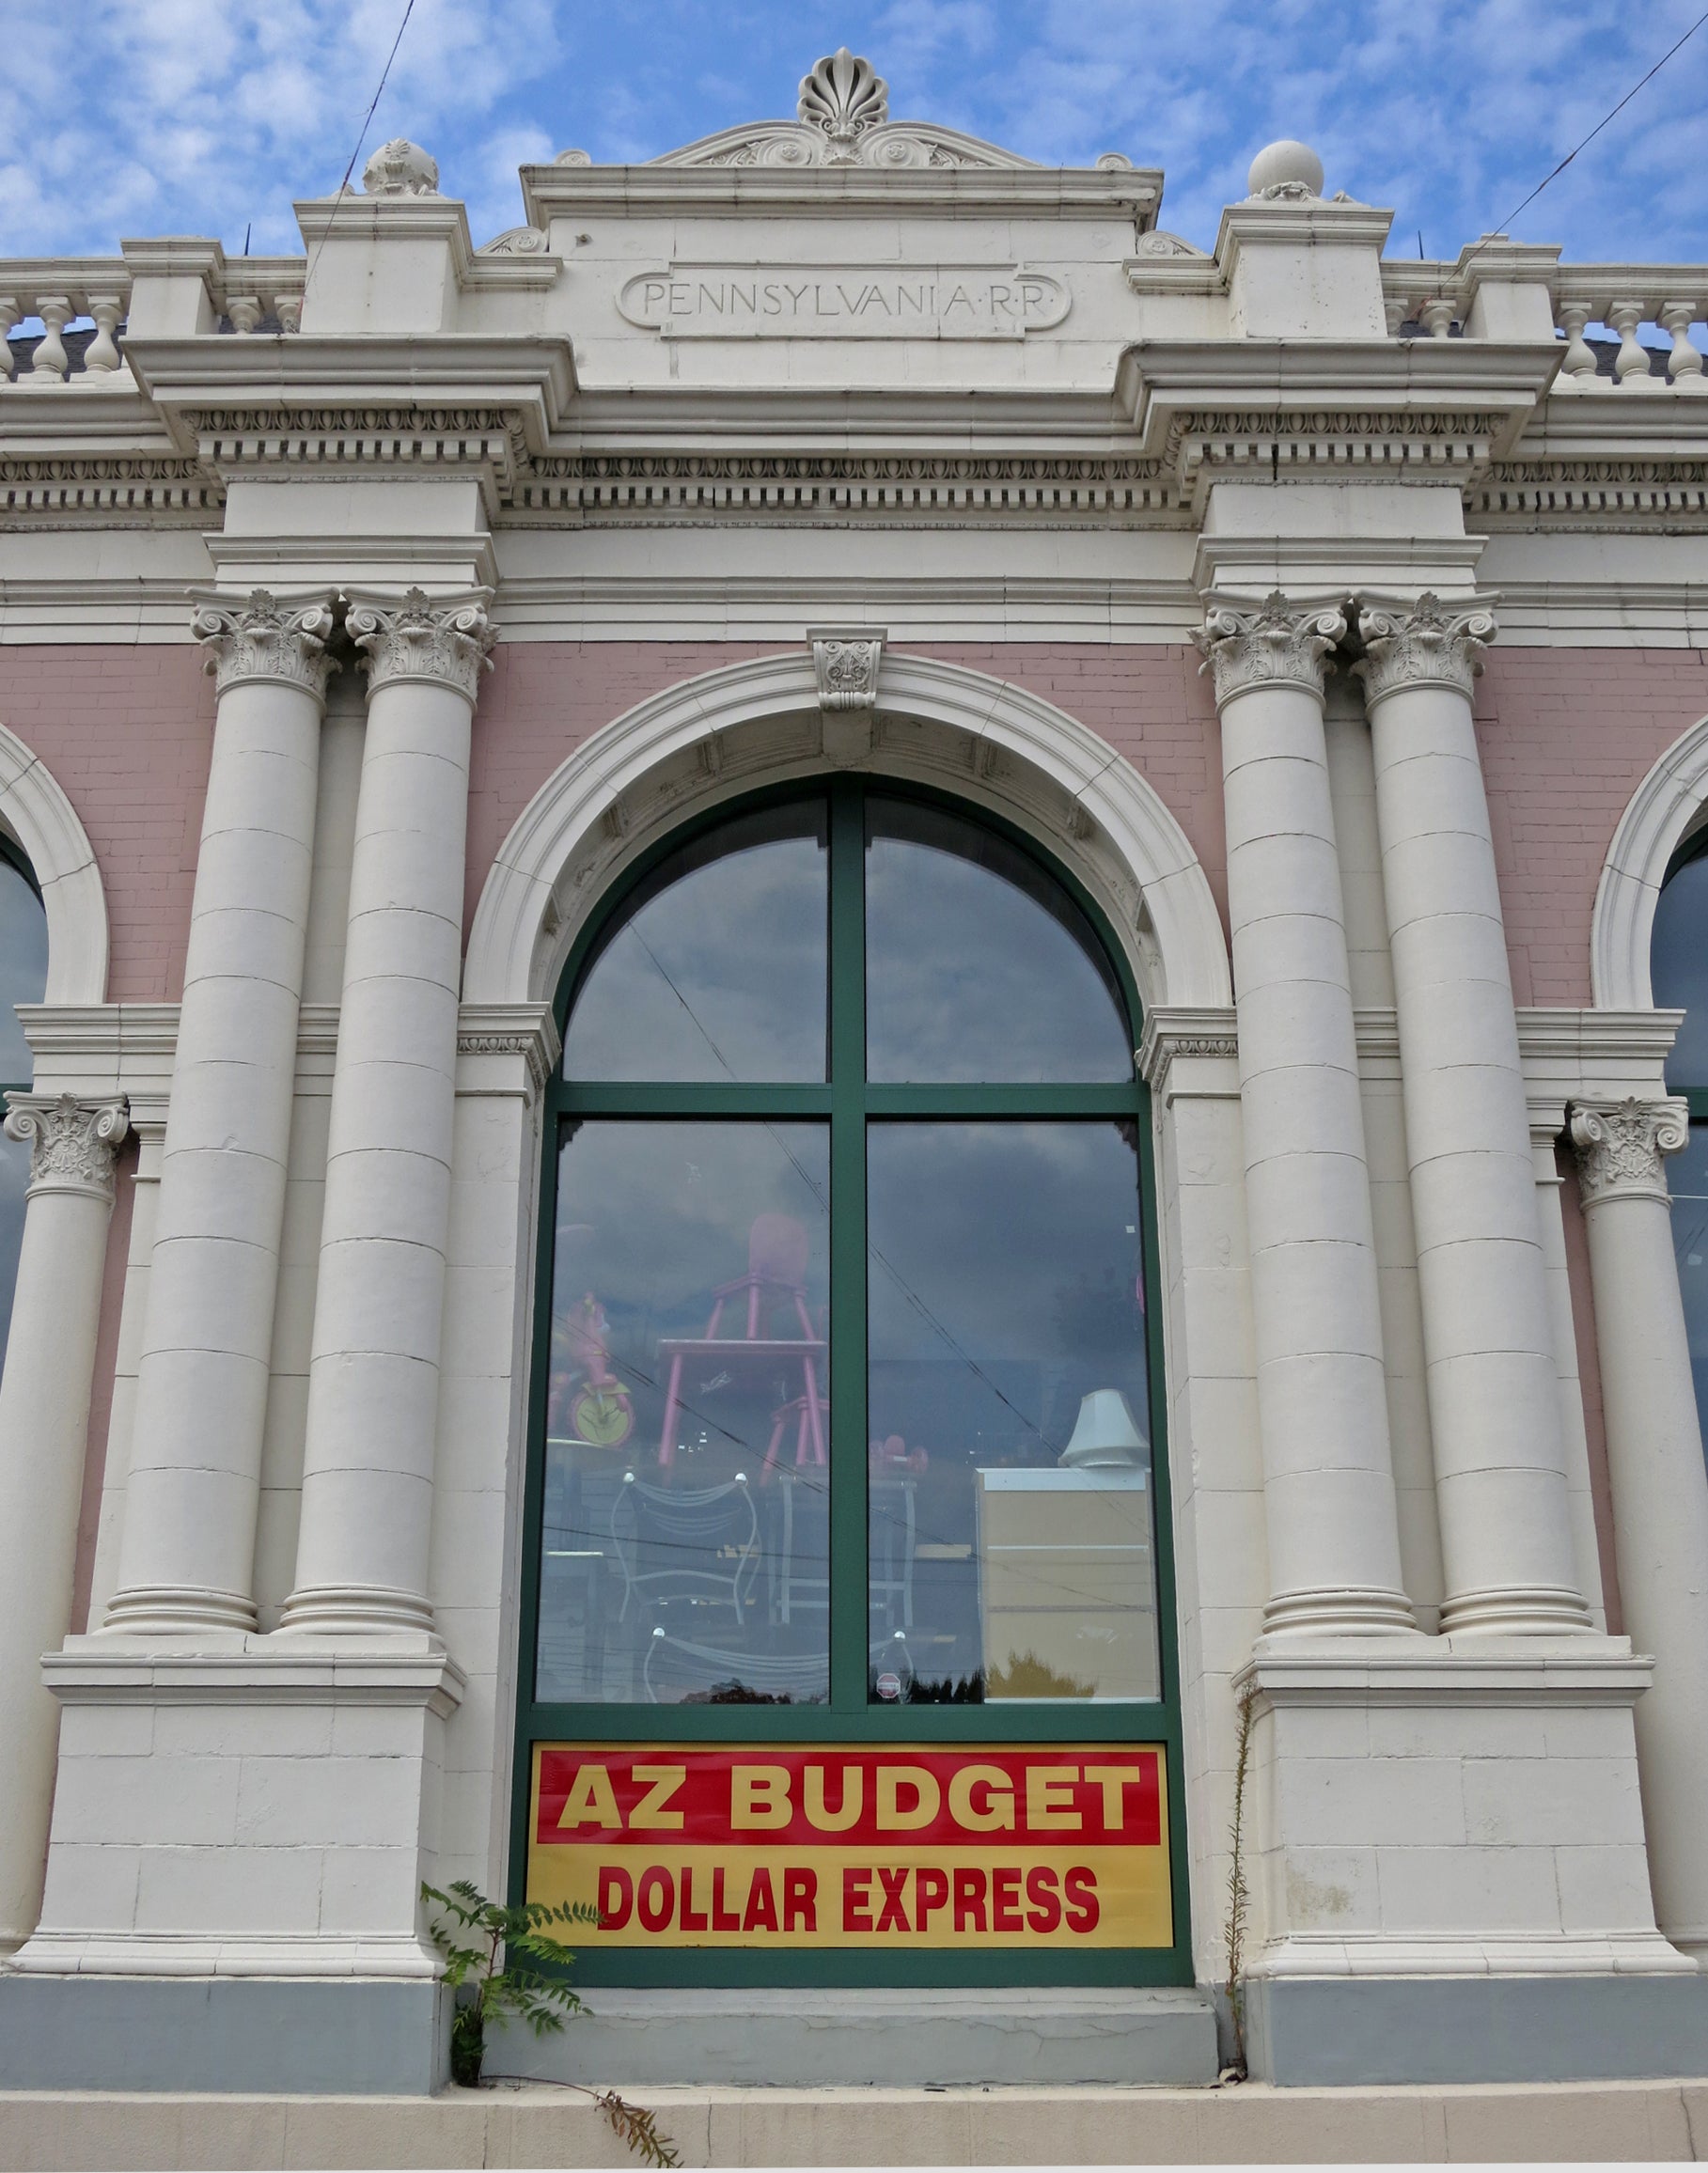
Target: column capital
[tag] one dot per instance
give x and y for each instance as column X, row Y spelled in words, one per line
column 1427, row 643
column 72, row 1142
column 444, row 640
column 1620, row 1145
column 1279, row 641
column 263, row 637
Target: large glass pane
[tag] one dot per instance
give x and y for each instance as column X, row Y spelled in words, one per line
column 684, row 1556
column 1687, row 1176
column 14, row 1176
column 1677, row 967
column 1011, row 1550
column 22, row 968
column 716, row 967
column 978, row 965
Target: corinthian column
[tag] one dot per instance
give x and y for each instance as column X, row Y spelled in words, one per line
column 1328, row 1485
column 373, row 1391
column 1660, row 1486
column 1494, row 1391
column 187, row 1558
column 44, row 1419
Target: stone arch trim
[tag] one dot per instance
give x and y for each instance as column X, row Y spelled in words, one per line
column 1660, row 814
column 36, row 815
column 713, row 736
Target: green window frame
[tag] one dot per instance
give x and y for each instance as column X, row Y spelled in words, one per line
column 1688, row 1206
column 851, row 1105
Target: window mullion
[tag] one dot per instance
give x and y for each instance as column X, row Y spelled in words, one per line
column 848, row 1508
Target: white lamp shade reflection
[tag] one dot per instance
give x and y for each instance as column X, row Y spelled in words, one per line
column 1106, row 1434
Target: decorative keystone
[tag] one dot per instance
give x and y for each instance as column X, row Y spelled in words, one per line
column 1428, row 643
column 447, row 639
column 1620, row 1145
column 72, row 1143
column 266, row 638
column 1279, row 642
column 845, row 662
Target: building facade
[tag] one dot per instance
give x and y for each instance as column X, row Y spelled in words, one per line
column 846, row 1047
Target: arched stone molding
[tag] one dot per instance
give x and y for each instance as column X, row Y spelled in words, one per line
column 709, row 738
column 41, row 821
column 1663, row 811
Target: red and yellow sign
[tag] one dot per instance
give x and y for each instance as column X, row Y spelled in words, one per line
column 680, row 1845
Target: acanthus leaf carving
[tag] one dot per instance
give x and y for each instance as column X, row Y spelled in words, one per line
column 1428, row 643
column 447, row 639
column 1277, row 643
column 845, row 663
column 264, row 636
column 1621, row 1147
column 71, row 1142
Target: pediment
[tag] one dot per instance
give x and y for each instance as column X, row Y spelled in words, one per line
column 842, row 120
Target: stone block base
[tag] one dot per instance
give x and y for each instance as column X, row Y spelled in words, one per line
column 338, row 2036
column 535, row 2126
column 802, row 2038
column 1475, row 2029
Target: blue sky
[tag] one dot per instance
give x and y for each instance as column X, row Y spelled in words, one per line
column 206, row 117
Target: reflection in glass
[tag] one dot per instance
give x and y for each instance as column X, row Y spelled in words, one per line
column 14, row 1176
column 978, row 965
column 716, row 969
column 1677, row 967
column 1687, row 1179
column 685, row 1555
column 23, row 967
column 1010, row 1523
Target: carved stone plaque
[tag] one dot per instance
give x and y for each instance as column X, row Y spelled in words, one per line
column 844, row 300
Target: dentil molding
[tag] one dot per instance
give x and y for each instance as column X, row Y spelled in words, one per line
column 71, row 1142
column 1428, row 643
column 266, row 638
column 1279, row 642
column 445, row 640
column 1621, row 1147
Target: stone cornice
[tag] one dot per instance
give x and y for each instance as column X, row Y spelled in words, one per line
column 1424, row 643
column 1201, row 1037
column 1620, row 1145
column 660, row 191
column 1277, row 643
column 444, row 640
column 263, row 637
column 71, row 1142
column 497, row 1041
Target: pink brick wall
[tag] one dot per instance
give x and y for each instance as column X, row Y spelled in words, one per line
column 127, row 733
column 544, row 698
column 1566, row 736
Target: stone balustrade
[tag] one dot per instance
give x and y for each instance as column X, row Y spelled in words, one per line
column 92, row 296
column 1433, row 300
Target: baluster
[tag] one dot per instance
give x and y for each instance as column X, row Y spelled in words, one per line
column 1675, row 318
column 56, row 313
column 11, row 311
column 102, row 356
column 1436, row 318
column 244, row 310
column 1579, row 364
column 1396, row 309
column 1632, row 361
column 287, row 308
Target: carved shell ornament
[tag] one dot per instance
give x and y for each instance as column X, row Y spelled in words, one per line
column 843, row 96
column 400, row 168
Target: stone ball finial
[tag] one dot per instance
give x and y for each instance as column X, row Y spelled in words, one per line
column 1285, row 169
column 400, row 168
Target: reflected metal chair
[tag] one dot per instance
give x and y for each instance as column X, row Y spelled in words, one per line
column 700, row 1544
column 713, row 1674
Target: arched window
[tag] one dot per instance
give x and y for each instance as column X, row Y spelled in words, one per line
column 1678, row 962
column 23, row 979
column 848, row 1394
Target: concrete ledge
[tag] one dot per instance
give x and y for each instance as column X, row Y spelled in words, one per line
column 1475, row 2029
column 539, row 2127
column 801, row 2038
column 176, row 2034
